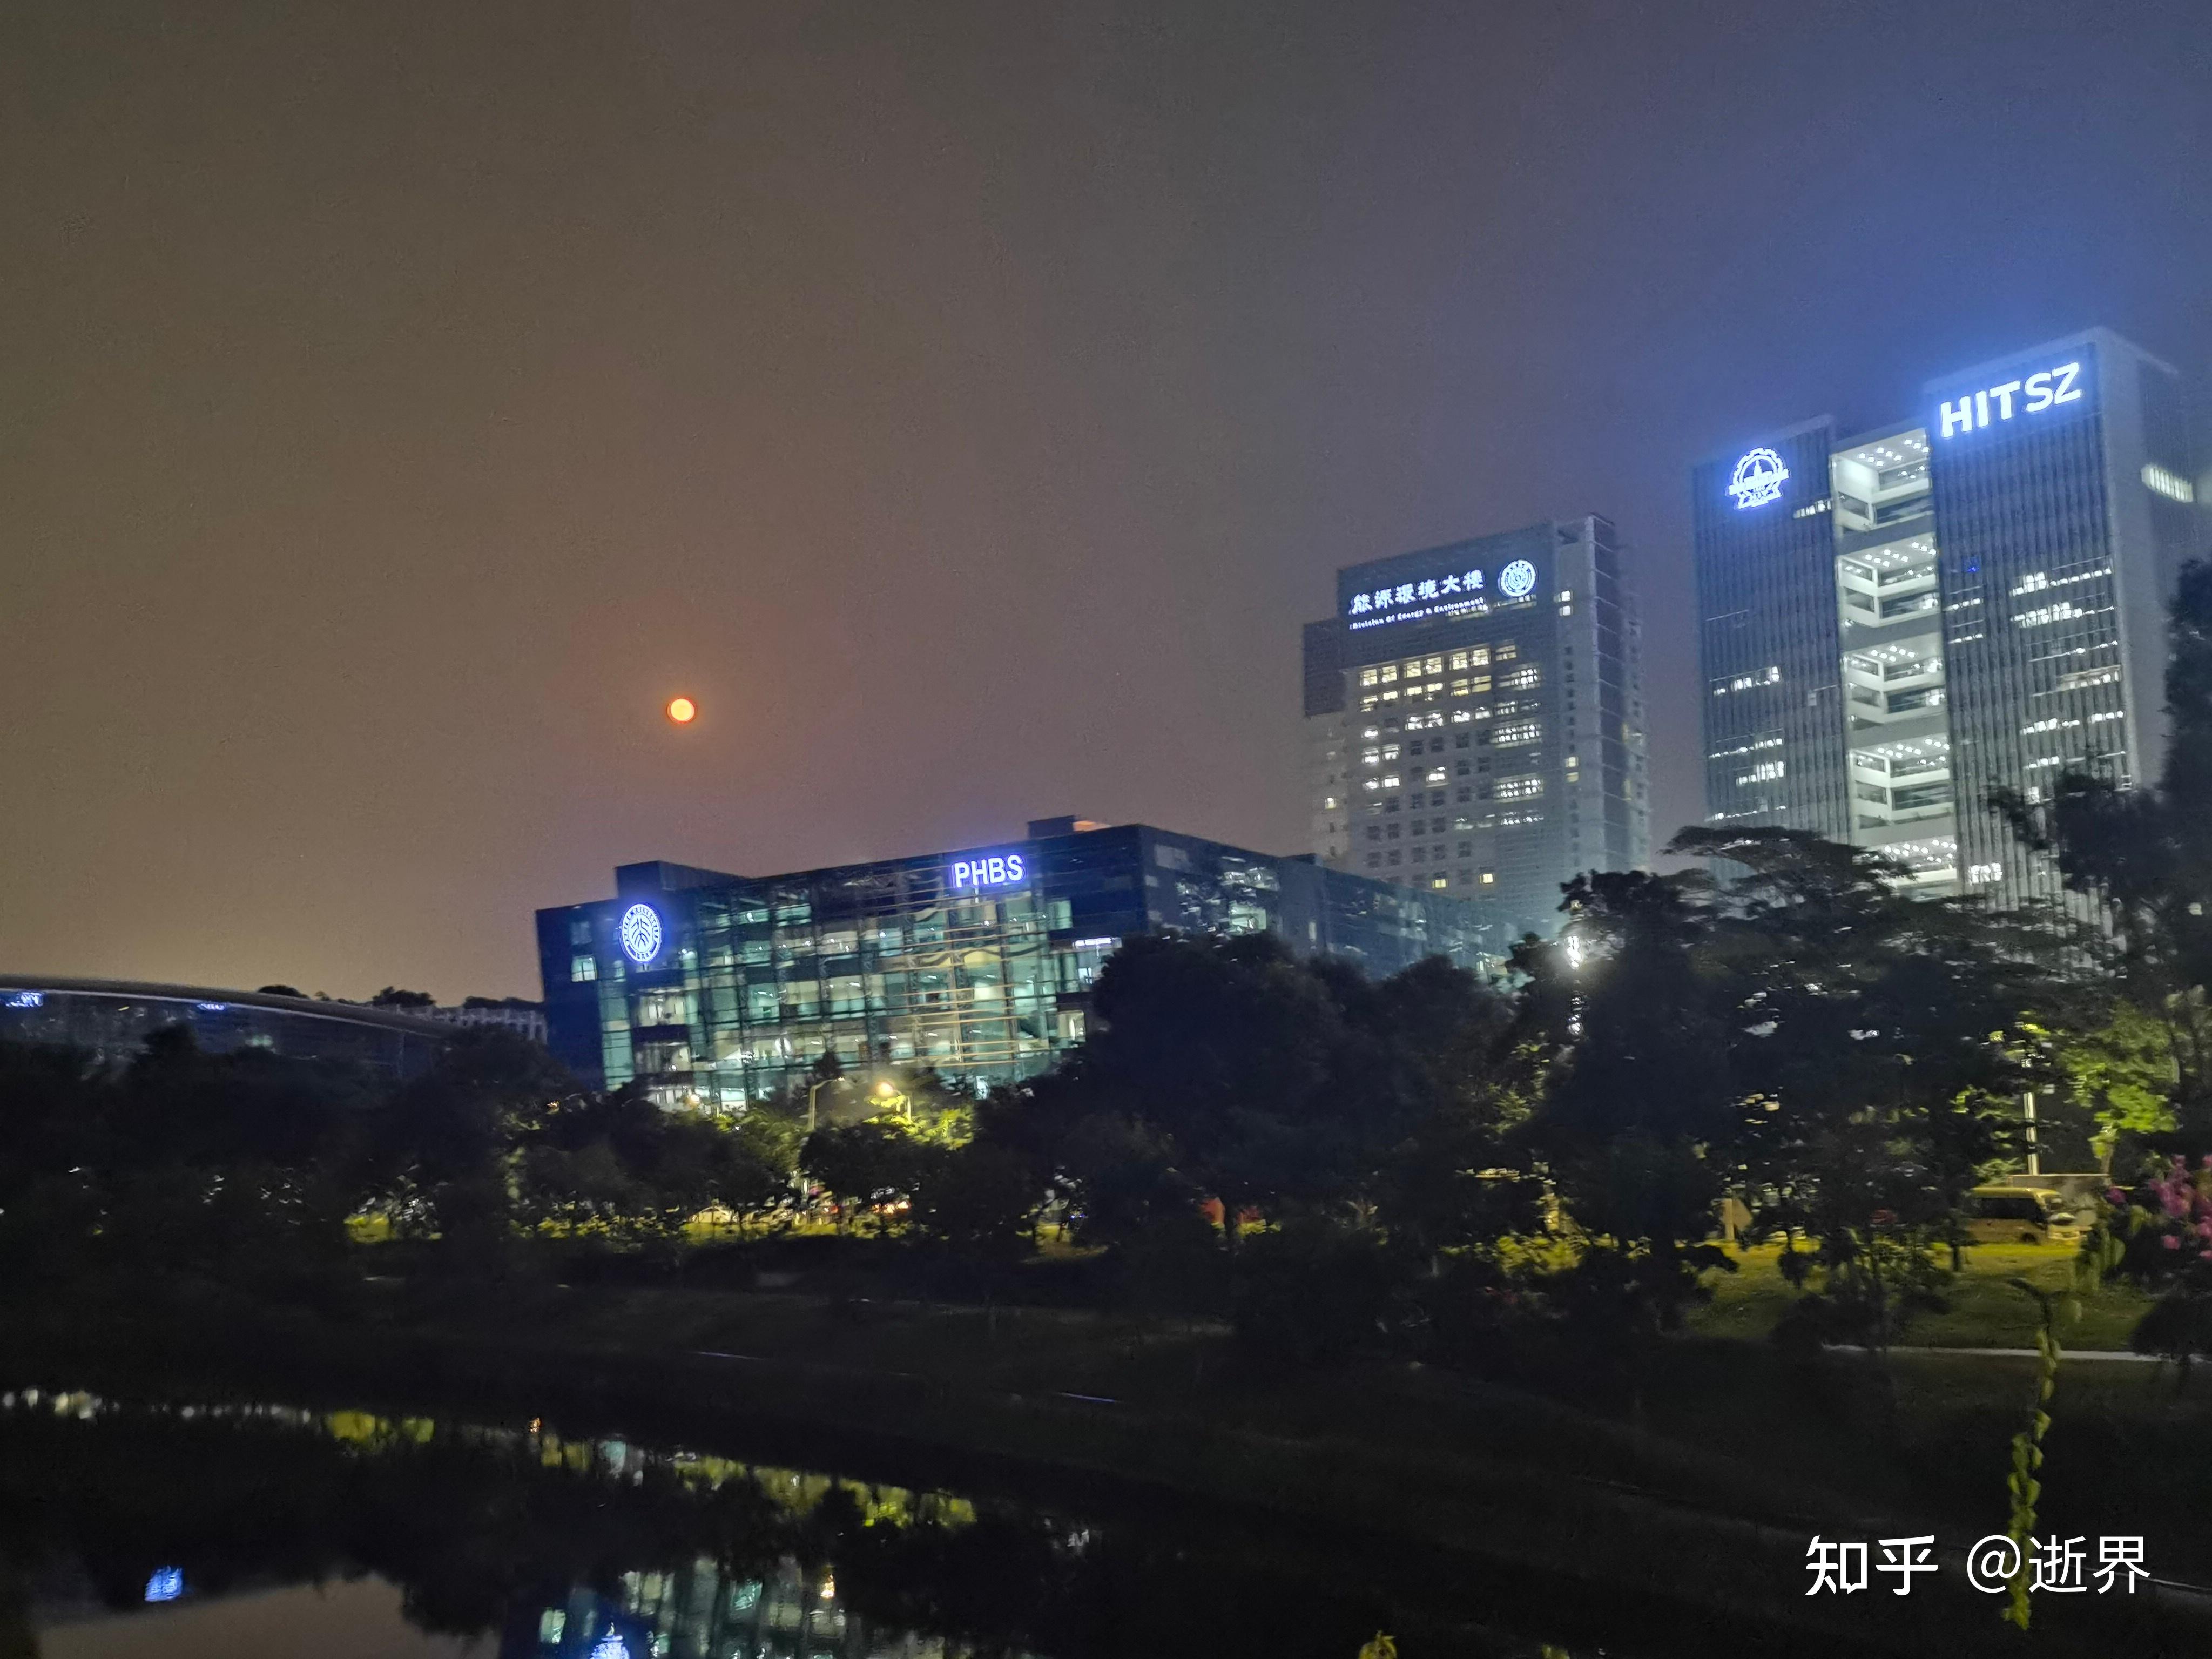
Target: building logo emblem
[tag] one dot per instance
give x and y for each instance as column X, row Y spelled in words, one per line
column 1758, row 479
column 641, row 933
column 1517, row 581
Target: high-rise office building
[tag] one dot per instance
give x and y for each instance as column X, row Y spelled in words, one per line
column 1474, row 722
column 1898, row 622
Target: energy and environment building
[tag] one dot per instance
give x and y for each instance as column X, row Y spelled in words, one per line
column 1896, row 623
column 712, row 989
column 1474, row 722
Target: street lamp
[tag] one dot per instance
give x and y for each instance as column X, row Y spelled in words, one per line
column 819, row 1085
column 886, row 1093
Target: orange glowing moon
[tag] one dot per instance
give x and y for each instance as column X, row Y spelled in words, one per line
column 683, row 711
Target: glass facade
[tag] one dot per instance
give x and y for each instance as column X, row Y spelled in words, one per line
column 715, row 989
column 1474, row 722
column 1766, row 640
column 1893, row 626
column 113, row 1019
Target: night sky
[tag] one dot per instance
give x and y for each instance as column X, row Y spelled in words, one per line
column 966, row 403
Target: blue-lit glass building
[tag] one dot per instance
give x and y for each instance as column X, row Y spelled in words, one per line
column 714, row 989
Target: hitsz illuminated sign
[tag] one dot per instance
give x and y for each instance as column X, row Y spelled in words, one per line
column 641, row 933
column 998, row 870
column 1975, row 410
column 1758, row 478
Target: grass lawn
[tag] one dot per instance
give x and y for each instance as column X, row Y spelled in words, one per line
column 1985, row 1311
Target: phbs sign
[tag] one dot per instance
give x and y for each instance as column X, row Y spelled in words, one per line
column 998, row 870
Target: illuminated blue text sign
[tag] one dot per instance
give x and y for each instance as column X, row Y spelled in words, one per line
column 997, row 870
column 2046, row 390
column 1452, row 593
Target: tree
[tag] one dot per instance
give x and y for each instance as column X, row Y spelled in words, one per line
column 615, row 1162
column 1623, row 1014
column 242, row 1167
column 759, row 1163
column 978, row 1199
column 2120, row 1067
column 1877, row 1046
column 1220, row 1047
column 864, row 1164
column 392, row 996
column 446, row 1146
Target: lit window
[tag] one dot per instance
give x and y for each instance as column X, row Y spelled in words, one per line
column 2171, row 485
column 1439, row 881
column 1507, row 652
column 582, row 968
column 1367, row 677
column 1390, row 673
column 1489, row 876
column 1433, row 665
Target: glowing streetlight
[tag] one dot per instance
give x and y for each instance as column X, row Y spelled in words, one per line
column 682, row 711
column 886, row 1094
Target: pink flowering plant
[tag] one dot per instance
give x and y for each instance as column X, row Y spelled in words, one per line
column 2162, row 1232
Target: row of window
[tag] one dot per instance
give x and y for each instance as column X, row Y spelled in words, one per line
column 1414, row 668
column 1467, row 877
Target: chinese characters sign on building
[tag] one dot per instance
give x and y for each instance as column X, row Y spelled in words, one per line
column 1436, row 596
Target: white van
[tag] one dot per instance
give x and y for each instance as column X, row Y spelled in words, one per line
column 2020, row 1215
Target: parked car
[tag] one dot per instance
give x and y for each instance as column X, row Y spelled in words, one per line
column 2020, row 1215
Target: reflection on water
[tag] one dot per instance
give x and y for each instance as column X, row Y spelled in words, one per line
column 533, row 1545
column 781, row 1524
column 700, row 1611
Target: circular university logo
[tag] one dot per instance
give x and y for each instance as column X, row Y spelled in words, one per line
column 1517, row 581
column 641, row 933
column 1758, row 478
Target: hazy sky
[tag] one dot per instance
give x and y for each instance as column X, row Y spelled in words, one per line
column 966, row 403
